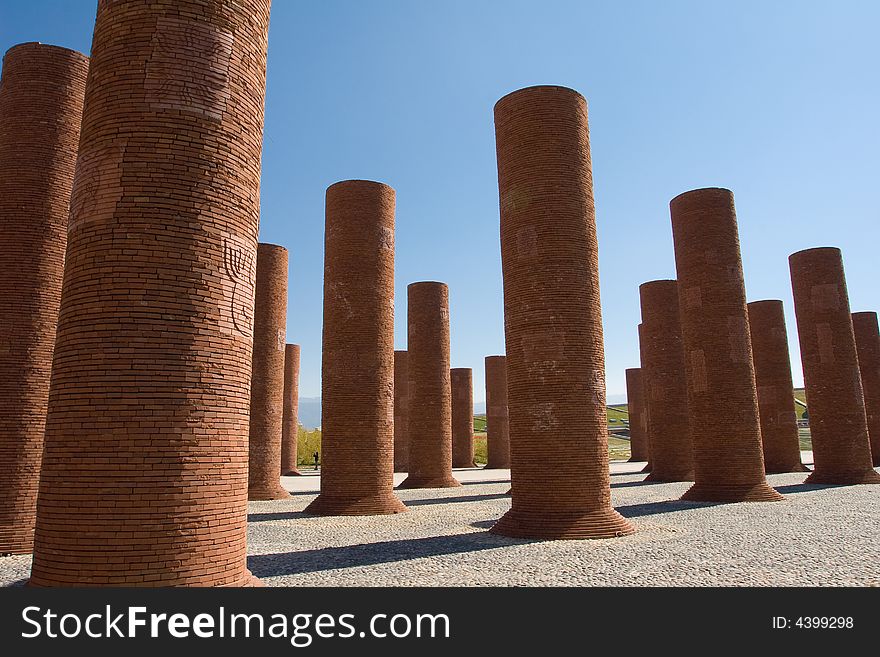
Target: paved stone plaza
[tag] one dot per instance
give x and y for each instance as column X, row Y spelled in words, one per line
column 818, row 536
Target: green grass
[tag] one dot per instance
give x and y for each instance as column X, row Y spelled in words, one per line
column 479, row 423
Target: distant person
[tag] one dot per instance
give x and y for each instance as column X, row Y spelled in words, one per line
column 315, row 455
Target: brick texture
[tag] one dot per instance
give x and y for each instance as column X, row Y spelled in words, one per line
column 462, row 391
column 835, row 401
column 41, row 98
column 646, row 407
column 289, row 418
column 357, row 378
column 638, row 417
column 401, row 383
column 497, row 421
column 868, row 350
column 145, row 467
column 728, row 458
column 429, row 390
column 779, row 432
column 553, row 325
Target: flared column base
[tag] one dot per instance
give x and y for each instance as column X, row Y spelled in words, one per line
column 429, row 482
column 843, row 478
column 263, row 494
column 603, row 523
column 782, row 468
column 702, row 492
column 668, row 477
column 373, row 505
column 248, row 580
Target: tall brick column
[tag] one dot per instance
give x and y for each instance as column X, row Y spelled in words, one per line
column 779, row 432
column 41, row 98
column 868, row 350
column 144, row 479
column 835, row 401
column 401, row 419
column 635, row 406
column 672, row 449
column 728, row 458
column 462, row 390
column 553, row 324
column 497, row 426
column 645, row 387
column 289, row 418
column 430, row 428
column 357, row 375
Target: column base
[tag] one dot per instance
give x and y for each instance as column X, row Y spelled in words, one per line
column 261, row 494
column 373, row 505
column 781, row 468
column 248, row 580
column 429, row 482
column 843, row 478
column 647, row 467
column 603, row 523
column 292, row 473
column 668, row 477
column 761, row 492
column 497, row 466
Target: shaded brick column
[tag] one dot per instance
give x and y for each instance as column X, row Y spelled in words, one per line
column 357, row 375
column 41, row 98
column 430, row 429
column 672, row 450
column 728, row 457
column 462, row 390
column 401, row 404
column 635, row 406
column 779, row 432
column 267, row 375
column 645, row 405
column 868, row 351
column 835, row 401
column 497, row 426
column 144, row 479
column 553, row 325
column 289, row 418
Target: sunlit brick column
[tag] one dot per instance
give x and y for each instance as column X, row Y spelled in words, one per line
column 553, row 325
column 645, row 386
column 289, row 420
column 144, row 479
column 401, row 404
column 357, row 375
column 835, row 401
column 497, row 425
column 779, row 432
column 635, row 406
column 41, row 98
column 430, row 429
column 728, row 457
column 462, row 390
column 868, row 350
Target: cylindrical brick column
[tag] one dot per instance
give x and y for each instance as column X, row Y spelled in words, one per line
column 635, row 406
column 672, row 451
column 462, row 390
column 430, row 428
column 357, row 376
column 868, row 350
column 553, row 325
column 728, row 458
column 144, row 478
column 401, row 384
column 645, row 387
column 267, row 375
column 497, row 426
column 41, row 98
column 779, row 432
column 835, row 401
column 289, row 417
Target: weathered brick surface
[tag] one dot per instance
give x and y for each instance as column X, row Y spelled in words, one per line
column 267, row 375
column 497, row 420
column 144, row 479
column 665, row 384
column 779, row 432
column 289, row 419
column 462, row 391
column 401, row 384
column 553, row 325
column 647, row 409
column 357, row 377
column 429, row 391
column 638, row 417
column 838, row 423
column 41, row 97
column 728, row 458
column 868, row 350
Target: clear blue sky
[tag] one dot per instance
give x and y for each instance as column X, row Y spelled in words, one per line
column 777, row 101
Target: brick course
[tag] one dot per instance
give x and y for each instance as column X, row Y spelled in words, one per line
column 497, row 420
column 462, row 391
column 289, row 419
column 868, row 351
column 401, row 383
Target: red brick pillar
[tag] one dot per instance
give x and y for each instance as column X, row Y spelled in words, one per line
column 401, row 382
column 289, row 419
column 553, row 324
column 645, row 387
column 41, row 86
column 430, row 429
column 462, row 390
column 635, row 406
column 779, row 432
column 835, row 401
column 357, row 377
column 497, row 428
column 672, row 451
column 728, row 458
column 868, row 349
column 144, row 479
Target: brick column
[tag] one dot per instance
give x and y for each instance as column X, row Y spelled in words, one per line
column 635, row 407
column 357, row 376
column 497, row 427
column 462, row 390
column 144, row 479
column 289, row 419
column 553, row 325
column 779, row 432
column 41, row 98
column 722, row 399
column 401, row 382
column 645, row 386
column 835, row 401
column 868, row 351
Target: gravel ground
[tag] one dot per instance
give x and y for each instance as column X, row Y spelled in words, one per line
column 819, row 536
